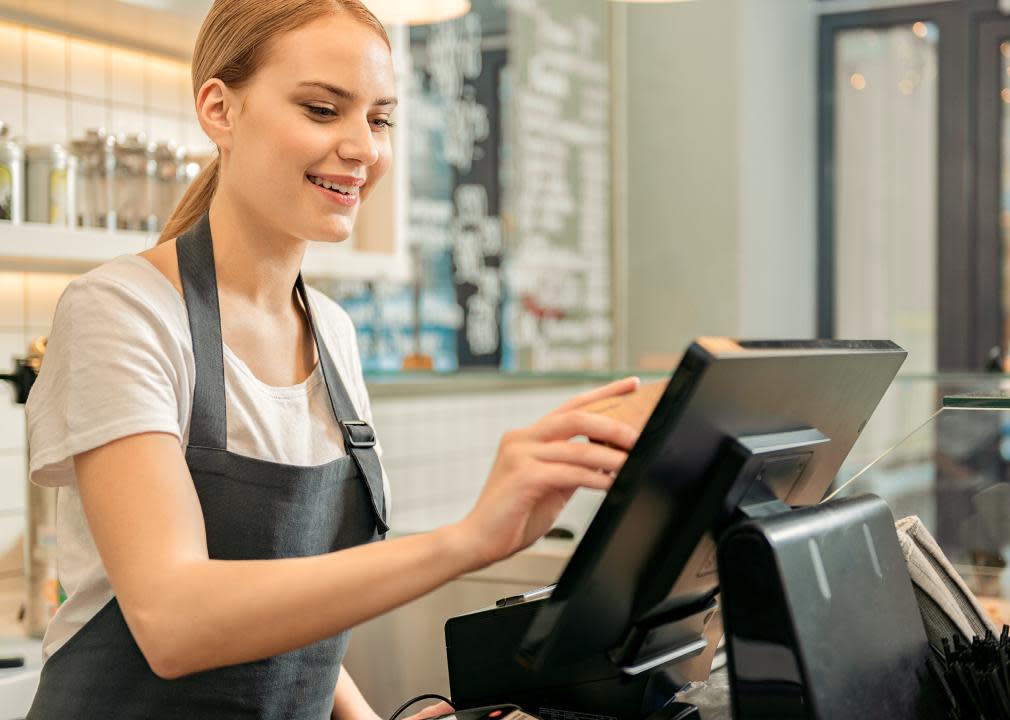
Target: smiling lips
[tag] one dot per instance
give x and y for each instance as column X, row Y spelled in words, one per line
column 342, row 189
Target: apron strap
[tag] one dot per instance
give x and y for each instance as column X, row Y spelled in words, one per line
column 208, row 423
column 359, row 438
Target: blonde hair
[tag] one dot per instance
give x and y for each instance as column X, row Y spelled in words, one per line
column 231, row 46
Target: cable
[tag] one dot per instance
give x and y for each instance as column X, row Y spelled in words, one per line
column 419, row 698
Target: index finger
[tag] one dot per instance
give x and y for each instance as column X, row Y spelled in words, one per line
column 598, row 428
column 614, row 389
column 440, row 708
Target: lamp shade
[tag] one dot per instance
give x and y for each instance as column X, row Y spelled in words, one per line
column 417, row 12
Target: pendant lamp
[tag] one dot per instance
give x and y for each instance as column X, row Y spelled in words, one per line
column 417, row 12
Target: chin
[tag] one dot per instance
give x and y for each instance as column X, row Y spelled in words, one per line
column 333, row 233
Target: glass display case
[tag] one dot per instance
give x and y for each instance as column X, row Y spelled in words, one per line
column 938, row 447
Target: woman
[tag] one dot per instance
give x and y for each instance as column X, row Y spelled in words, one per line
column 197, row 401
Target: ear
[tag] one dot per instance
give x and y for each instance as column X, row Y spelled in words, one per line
column 215, row 106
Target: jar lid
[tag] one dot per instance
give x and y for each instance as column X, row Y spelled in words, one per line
column 133, row 143
column 94, row 141
column 54, row 151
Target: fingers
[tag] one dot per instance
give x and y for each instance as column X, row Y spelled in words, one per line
column 587, row 455
column 599, row 428
column 560, row 476
column 618, row 387
column 441, row 708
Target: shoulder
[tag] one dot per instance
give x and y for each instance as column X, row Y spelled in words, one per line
column 123, row 312
column 128, row 289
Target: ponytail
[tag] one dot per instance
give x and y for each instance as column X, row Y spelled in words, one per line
column 194, row 203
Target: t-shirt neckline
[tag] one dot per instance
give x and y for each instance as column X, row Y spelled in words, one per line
column 280, row 391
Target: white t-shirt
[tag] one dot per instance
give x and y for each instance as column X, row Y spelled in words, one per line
column 120, row 362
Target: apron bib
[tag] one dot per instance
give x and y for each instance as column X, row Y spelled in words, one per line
column 252, row 509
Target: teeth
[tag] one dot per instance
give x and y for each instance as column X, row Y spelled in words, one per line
column 345, row 189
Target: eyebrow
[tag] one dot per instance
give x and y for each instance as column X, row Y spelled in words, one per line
column 347, row 94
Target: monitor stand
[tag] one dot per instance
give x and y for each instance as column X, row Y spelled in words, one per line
column 821, row 620
column 639, row 679
column 820, row 616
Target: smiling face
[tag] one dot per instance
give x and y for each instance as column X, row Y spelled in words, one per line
column 305, row 141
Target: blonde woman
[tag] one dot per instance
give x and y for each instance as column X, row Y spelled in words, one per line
column 205, row 417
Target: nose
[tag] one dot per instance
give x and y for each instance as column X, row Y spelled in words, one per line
column 358, row 143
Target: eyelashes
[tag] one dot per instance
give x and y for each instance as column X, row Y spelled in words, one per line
column 327, row 113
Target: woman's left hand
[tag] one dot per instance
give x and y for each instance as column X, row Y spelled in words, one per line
column 442, row 708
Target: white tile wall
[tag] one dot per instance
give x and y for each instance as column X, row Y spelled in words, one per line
column 438, row 450
column 45, row 60
column 11, row 53
column 126, row 77
column 54, row 87
column 46, row 117
column 85, row 114
column 88, row 71
column 42, row 292
column 12, row 430
column 12, row 306
column 12, row 489
column 27, row 302
column 12, row 109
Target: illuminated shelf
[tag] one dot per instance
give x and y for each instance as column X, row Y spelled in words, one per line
column 38, row 247
column 41, row 247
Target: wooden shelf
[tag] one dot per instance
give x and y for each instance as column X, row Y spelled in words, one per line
column 37, row 247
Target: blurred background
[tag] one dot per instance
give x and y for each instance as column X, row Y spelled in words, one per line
column 580, row 188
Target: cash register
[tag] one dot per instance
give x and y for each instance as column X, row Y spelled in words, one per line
column 743, row 435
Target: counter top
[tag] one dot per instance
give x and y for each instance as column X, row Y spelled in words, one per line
column 391, row 384
column 711, row 698
column 17, row 685
column 399, row 384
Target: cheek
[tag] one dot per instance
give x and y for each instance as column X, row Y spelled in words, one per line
column 277, row 149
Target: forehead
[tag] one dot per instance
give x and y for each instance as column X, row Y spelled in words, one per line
column 338, row 50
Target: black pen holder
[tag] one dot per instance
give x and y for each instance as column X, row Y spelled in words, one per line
column 821, row 620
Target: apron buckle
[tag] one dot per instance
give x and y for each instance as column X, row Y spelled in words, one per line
column 357, row 434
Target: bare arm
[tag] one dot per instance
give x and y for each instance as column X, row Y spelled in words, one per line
column 189, row 613
column 348, row 702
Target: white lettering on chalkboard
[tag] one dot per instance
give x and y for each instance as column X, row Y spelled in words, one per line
column 559, row 261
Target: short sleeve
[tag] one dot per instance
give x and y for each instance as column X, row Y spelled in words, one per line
column 113, row 368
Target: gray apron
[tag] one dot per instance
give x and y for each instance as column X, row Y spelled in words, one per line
column 252, row 509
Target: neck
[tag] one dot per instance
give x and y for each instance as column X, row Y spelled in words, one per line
column 255, row 262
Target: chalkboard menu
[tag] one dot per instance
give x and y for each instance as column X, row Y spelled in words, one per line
column 508, row 207
column 558, row 259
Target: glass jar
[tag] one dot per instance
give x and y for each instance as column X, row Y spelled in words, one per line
column 52, row 176
column 95, row 155
column 132, row 173
column 12, row 178
column 170, row 162
column 188, row 172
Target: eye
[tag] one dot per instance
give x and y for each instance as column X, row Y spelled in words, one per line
column 383, row 123
column 321, row 111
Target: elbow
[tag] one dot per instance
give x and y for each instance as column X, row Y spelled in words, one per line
column 167, row 666
column 162, row 645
